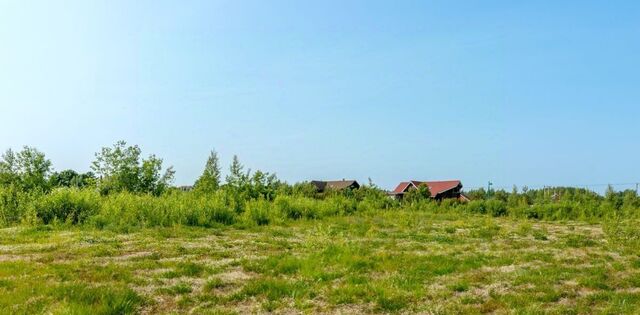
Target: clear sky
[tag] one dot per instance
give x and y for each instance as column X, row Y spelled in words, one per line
column 516, row 92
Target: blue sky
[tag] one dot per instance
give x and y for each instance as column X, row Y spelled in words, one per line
column 536, row 93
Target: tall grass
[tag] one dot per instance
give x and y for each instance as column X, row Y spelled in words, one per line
column 227, row 207
column 16, row 205
column 126, row 209
column 75, row 206
column 67, row 205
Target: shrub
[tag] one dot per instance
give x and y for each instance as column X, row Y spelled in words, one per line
column 217, row 210
column 16, row 205
column 204, row 210
column 229, row 205
column 258, row 212
column 299, row 207
column 68, row 205
column 288, row 210
column 338, row 205
column 179, row 208
column 476, row 206
column 496, row 208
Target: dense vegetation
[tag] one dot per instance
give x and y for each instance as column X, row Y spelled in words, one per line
column 125, row 190
column 121, row 240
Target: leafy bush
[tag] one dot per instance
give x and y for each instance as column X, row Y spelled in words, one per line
column 68, row 205
column 230, row 205
column 496, row 208
column 288, row 210
column 133, row 192
column 476, row 206
column 258, row 212
column 16, row 205
column 338, row 205
column 126, row 209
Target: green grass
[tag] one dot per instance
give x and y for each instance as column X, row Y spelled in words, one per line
column 374, row 262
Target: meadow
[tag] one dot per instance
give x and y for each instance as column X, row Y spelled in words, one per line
column 126, row 241
column 394, row 261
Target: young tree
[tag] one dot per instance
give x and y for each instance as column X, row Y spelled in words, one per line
column 28, row 169
column 71, row 178
column 264, row 185
column 87, row 179
column 237, row 178
column 478, row 194
column 304, row 189
column 371, row 184
column 9, row 169
column 119, row 168
column 209, row 181
column 421, row 193
column 613, row 199
column 151, row 180
column 63, row 179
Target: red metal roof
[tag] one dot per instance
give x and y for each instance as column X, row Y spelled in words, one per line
column 436, row 187
column 402, row 187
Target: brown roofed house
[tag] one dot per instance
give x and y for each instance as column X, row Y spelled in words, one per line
column 322, row 186
column 448, row 189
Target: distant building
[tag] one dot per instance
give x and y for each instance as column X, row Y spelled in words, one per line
column 450, row 189
column 322, row 186
column 185, row 188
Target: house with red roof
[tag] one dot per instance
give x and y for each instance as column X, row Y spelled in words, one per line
column 447, row 189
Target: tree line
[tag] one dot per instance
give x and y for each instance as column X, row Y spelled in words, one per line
column 122, row 168
column 126, row 188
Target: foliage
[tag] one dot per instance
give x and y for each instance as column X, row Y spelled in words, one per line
column 237, row 178
column 419, row 194
column 303, row 251
column 209, row 181
column 125, row 210
column 71, row 178
column 17, row 205
column 131, row 192
column 304, row 189
column 67, row 205
column 262, row 201
column 28, row 169
column 120, row 168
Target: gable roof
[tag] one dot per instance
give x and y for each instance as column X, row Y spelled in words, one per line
column 320, row 185
column 341, row 184
column 401, row 188
column 436, row 187
column 334, row 184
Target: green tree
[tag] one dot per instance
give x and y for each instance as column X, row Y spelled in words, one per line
column 304, row 189
column 500, row 195
column 9, row 169
column 209, row 181
column 237, row 178
column 120, row 168
column 477, row 194
column 151, row 178
column 71, row 178
column 613, row 200
column 28, row 169
column 419, row 194
column 64, row 178
column 264, row 185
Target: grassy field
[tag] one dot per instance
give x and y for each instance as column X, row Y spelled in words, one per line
column 400, row 262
